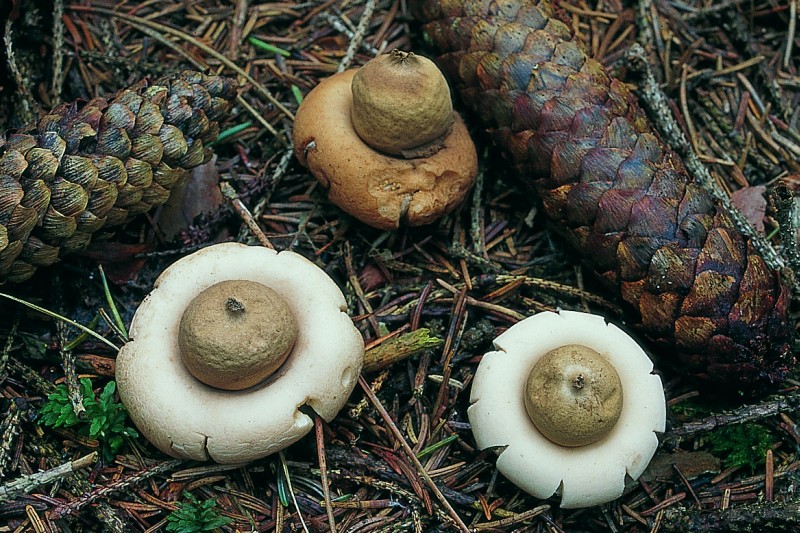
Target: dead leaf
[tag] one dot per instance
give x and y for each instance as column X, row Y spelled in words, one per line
column 751, row 202
column 371, row 277
column 691, row 465
column 200, row 194
column 14, row 12
column 119, row 260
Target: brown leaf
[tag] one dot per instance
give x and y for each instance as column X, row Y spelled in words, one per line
column 119, row 260
column 200, row 194
column 691, row 465
column 371, row 277
column 13, row 13
column 751, row 202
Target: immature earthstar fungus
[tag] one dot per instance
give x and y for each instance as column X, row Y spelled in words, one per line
column 231, row 348
column 571, row 404
column 385, row 142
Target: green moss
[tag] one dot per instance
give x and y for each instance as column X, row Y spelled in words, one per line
column 741, row 445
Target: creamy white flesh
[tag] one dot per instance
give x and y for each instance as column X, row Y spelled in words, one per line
column 585, row 475
column 184, row 417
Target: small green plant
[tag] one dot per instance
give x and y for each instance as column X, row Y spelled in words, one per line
column 105, row 418
column 742, row 444
column 193, row 516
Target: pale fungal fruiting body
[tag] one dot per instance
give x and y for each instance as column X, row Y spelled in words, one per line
column 378, row 188
column 187, row 418
column 584, row 475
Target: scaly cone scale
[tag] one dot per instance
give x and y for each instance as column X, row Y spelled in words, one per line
column 620, row 197
column 89, row 165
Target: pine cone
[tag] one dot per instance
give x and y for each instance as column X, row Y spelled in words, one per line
column 95, row 164
column 620, row 197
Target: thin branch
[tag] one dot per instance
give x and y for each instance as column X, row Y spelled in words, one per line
column 656, row 103
column 358, row 36
column 230, row 194
column 747, row 413
column 787, row 54
column 323, row 472
column 26, row 484
column 786, row 212
column 70, row 374
column 7, row 350
column 27, row 111
column 58, row 51
column 115, row 486
column 759, row 516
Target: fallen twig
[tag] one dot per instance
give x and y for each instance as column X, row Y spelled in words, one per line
column 759, row 516
column 26, row 484
column 747, row 413
column 115, row 486
column 655, row 101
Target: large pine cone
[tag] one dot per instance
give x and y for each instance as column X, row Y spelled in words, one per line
column 89, row 165
column 620, row 197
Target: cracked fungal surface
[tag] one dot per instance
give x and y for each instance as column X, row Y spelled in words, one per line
column 381, row 190
column 186, row 418
column 583, row 475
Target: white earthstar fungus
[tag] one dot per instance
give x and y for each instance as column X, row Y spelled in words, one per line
column 584, row 475
column 186, row 418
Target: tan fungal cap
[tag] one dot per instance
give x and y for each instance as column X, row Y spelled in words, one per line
column 584, row 474
column 186, row 418
column 573, row 395
column 236, row 333
column 401, row 104
column 378, row 188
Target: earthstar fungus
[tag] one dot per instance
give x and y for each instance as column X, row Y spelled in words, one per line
column 401, row 105
column 236, row 333
column 385, row 142
column 255, row 374
column 573, row 395
column 596, row 407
